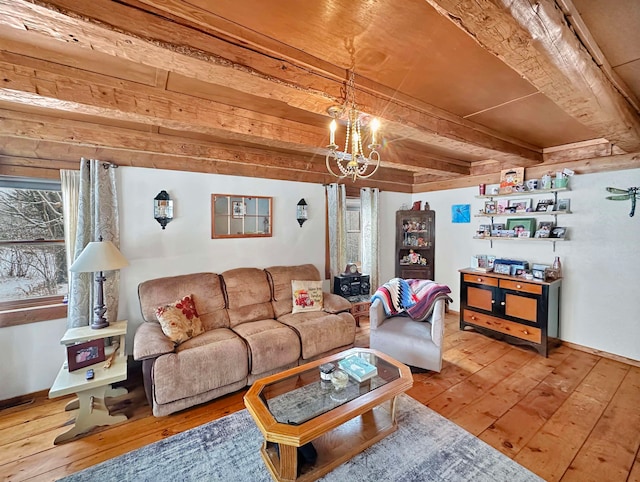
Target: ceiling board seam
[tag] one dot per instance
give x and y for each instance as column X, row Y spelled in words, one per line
column 502, row 105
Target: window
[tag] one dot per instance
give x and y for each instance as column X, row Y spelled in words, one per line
column 353, row 231
column 33, row 269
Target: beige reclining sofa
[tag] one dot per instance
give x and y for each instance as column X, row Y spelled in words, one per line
column 250, row 332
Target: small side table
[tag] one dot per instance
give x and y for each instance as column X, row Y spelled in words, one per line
column 360, row 307
column 92, row 394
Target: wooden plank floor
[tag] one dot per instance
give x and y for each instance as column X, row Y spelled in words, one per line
column 572, row 416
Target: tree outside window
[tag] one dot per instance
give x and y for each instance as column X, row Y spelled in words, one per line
column 32, row 253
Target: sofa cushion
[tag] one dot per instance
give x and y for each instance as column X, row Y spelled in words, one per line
column 307, row 296
column 271, row 344
column 205, row 289
column 214, row 359
column 280, row 278
column 320, row 332
column 179, row 320
column 248, row 295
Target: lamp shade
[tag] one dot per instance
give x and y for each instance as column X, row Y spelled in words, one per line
column 99, row 256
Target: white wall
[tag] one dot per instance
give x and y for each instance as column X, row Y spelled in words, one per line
column 600, row 305
column 600, row 299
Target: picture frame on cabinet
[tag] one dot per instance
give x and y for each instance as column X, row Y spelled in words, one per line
column 502, row 268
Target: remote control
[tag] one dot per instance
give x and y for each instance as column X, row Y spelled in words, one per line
column 89, row 375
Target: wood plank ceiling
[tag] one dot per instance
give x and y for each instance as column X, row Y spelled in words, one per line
column 464, row 88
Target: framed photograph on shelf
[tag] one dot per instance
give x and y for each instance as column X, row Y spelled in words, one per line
column 84, row 354
column 563, row 205
column 544, row 205
column 521, row 205
column 519, row 225
column 558, row 232
column 524, row 234
column 490, row 207
column 501, row 206
column 510, row 178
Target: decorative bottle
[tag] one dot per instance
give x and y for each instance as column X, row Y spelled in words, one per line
column 557, row 265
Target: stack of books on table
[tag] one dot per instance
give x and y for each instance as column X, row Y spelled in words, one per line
column 357, row 368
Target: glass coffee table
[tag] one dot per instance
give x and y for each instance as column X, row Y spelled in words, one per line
column 297, row 407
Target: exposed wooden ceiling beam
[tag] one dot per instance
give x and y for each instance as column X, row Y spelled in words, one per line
column 30, row 136
column 298, row 86
column 535, row 40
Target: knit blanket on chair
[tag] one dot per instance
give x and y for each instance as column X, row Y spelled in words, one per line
column 414, row 297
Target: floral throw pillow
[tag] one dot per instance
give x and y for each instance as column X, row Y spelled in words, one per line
column 307, row 296
column 180, row 320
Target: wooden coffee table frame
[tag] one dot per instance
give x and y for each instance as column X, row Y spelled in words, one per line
column 337, row 435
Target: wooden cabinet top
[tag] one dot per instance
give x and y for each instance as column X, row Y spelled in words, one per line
column 507, row 277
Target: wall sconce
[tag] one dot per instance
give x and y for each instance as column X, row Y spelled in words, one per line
column 163, row 208
column 301, row 212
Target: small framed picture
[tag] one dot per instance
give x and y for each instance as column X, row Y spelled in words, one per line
column 490, row 207
column 84, row 354
column 502, row 268
column 237, row 209
column 544, row 205
column 558, row 232
column 542, row 233
column 521, row 205
column 519, row 225
column 524, row 234
column 563, row 205
column 501, row 205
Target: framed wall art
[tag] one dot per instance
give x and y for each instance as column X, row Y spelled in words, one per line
column 236, row 216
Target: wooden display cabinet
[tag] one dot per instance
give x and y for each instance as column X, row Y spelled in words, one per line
column 519, row 311
column 415, row 231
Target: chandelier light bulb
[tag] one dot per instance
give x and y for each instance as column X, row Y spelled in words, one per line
column 332, row 129
column 374, row 126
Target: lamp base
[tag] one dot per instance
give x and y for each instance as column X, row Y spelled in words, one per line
column 98, row 324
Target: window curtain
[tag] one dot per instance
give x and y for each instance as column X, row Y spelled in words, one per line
column 337, row 213
column 70, row 187
column 97, row 215
column 370, row 234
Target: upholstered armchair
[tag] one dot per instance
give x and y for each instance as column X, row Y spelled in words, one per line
column 414, row 343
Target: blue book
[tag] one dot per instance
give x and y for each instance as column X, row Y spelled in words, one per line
column 358, row 368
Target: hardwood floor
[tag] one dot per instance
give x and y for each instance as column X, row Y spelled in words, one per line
column 572, row 416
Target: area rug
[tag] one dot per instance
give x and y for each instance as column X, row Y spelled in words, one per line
column 426, row 447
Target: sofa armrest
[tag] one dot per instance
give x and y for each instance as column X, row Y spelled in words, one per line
column 376, row 314
column 437, row 322
column 151, row 342
column 333, row 303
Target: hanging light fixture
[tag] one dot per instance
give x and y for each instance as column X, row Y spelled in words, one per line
column 352, row 164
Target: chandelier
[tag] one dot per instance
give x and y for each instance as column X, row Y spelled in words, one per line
column 352, row 164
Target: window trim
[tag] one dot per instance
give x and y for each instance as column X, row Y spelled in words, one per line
column 32, row 314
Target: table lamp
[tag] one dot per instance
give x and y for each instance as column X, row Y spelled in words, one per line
column 96, row 257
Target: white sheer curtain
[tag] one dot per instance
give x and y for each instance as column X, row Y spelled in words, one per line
column 370, row 234
column 97, row 215
column 70, row 187
column 337, row 213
